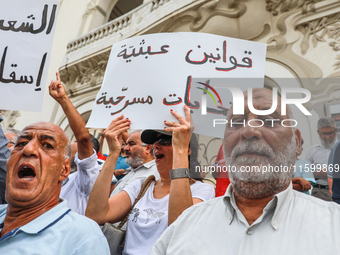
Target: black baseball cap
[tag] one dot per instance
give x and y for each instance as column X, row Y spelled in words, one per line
column 150, row 136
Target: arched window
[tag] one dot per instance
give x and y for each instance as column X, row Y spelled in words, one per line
column 124, row 6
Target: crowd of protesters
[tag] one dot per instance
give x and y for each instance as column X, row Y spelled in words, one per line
column 57, row 194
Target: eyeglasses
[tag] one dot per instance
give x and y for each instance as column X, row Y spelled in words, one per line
column 327, row 134
column 165, row 142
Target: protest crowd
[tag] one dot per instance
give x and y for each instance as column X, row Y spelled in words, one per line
column 60, row 199
column 140, row 156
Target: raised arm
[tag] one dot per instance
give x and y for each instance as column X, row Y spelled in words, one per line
column 180, row 192
column 100, row 207
column 77, row 124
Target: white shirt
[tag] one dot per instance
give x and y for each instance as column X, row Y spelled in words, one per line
column 79, row 185
column 149, row 217
column 318, row 156
column 292, row 223
column 143, row 171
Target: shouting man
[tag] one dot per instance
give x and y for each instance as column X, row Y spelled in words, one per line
column 35, row 219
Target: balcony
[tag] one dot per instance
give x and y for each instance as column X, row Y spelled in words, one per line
column 138, row 21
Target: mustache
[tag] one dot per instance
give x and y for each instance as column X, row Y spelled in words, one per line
column 128, row 153
column 252, row 147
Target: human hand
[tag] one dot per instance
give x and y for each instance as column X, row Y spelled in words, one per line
column 304, row 184
column 119, row 172
column 113, row 133
column 181, row 130
column 57, row 90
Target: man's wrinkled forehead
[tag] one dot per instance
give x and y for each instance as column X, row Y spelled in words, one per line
column 45, row 130
column 262, row 99
column 134, row 137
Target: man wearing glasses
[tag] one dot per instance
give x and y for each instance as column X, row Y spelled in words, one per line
column 318, row 155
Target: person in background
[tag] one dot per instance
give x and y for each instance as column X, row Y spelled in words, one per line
column 102, row 157
column 77, row 187
column 140, row 159
column 4, row 154
column 333, row 171
column 12, row 135
column 303, row 176
column 317, row 156
column 121, row 167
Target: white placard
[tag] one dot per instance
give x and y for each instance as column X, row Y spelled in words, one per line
column 148, row 75
column 26, row 32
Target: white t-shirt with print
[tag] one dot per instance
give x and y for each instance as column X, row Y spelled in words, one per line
column 149, row 218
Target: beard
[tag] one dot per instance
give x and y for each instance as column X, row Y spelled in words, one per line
column 327, row 145
column 135, row 161
column 262, row 182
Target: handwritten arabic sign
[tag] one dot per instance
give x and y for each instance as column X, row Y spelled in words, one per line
column 26, row 32
column 146, row 76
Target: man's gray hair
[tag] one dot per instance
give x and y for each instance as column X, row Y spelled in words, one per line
column 67, row 150
column 326, row 122
column 140, row 131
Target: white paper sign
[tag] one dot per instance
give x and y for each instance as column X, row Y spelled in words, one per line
column 26, row 32
column 146, row 76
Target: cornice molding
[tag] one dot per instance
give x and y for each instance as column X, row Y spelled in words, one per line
column 276, row 7
column 86, row 75
column 10, row 118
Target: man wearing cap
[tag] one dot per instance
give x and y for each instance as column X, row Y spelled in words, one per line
column 140, row 159
column 260, row 212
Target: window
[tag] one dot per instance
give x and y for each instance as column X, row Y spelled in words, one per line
column 123, row 6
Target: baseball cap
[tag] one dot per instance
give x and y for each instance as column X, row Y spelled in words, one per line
column 150, row 136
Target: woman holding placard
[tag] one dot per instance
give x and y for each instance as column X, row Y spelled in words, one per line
column 164, row 200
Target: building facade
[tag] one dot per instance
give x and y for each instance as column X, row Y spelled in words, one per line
column 302, row 38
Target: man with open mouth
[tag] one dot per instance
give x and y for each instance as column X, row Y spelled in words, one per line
column 36, row 220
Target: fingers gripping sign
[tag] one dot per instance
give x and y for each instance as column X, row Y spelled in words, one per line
column 113, row 133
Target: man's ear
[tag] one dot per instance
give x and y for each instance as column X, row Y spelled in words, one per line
column 148, row 148
column 298, row 140
column 189, row 151
column 65, row 170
